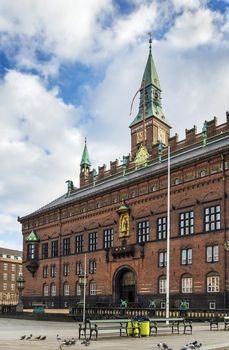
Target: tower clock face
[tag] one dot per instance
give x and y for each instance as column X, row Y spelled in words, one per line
column 162, row 136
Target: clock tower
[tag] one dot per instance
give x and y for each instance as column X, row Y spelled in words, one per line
column 149, row 126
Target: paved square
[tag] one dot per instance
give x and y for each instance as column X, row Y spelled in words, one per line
column 11, row 330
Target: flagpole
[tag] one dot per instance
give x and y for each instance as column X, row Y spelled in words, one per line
column 84, row 289
column 168, row 240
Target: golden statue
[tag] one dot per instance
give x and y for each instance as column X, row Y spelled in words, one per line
column 124, row 225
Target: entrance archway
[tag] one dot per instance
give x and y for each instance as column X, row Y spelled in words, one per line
column 125, row 285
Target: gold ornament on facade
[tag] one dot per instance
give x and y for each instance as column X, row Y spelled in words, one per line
column 142, row 157
column 124, row 220
column 124, row 225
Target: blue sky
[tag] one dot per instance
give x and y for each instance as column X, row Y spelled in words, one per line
column 70, row 69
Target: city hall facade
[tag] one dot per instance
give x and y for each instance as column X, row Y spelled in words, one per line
column 118, row 218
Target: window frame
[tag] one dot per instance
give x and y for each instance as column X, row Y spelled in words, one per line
column 186, row 256
column 212, row 218
column 143, row 231
column 162, row 258
column 92, row 288
column 54, row 248
column 66, row 246
column 79, row 243
column 186, row 284
column 212, row 257
column 45, row 250
column 186, row 223
column 108, row 238
column 92, row 241
column 162, row 227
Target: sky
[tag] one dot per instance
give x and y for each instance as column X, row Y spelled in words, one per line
column 69, row 70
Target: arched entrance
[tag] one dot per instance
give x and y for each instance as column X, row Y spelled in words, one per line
column 125, row 285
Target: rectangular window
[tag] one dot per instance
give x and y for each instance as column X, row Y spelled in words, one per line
column 212, row 253
column 12, row 287
column 186, row 285
column 5, row 266
column 66, row 246
column 13, row 277
column 45, row 250
column 66, row 289
column 53, row 290
column 212, row 305
column 213, row 284
column 66, row 269
column 78, row 289
column 162, row 259
column 212, row 218
column 186, row 223
column 79, row 244
column 108, row 237
column 53, row 271
column 162, row 285
column 186, row 256
column 54, row 248
column 143, row 231
column 93, row 288
column 92, row 242
column 162, row 228
column 46, row 290
column 5, row 276
column 79, row 268
column 13, row 267
column 4, row 286
column 31, row 251
column 45, row 271
column 92, row 266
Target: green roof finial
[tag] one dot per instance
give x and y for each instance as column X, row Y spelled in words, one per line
column 85, row 156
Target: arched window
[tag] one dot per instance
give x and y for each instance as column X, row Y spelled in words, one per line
column 186, row 283
column 92, row 288
column 78, row 289
column 92, row 266
column 53, row 289
column 45, row 290
column 66, row 289
column 162, row 284
column 213, row 282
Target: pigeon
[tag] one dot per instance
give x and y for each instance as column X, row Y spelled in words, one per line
column 162, row 346
column 185, row 347
column 43, row 338
column 39, row 337
column 58, row 337
column 191, row 346
column 23, row 337
column 29, row 337
column 86, row 342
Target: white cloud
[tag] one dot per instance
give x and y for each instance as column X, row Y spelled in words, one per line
column 38, row 146
column 193, row 29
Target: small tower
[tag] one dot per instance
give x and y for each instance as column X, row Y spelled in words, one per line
column 84, row 166
column 149, row 126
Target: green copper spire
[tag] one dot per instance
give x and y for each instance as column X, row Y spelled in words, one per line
column 150, row 92
column 85, row 157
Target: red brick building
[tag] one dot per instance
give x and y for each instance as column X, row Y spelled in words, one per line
column 118, row 217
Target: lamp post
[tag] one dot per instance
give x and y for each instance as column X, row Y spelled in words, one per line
column 20, row 286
